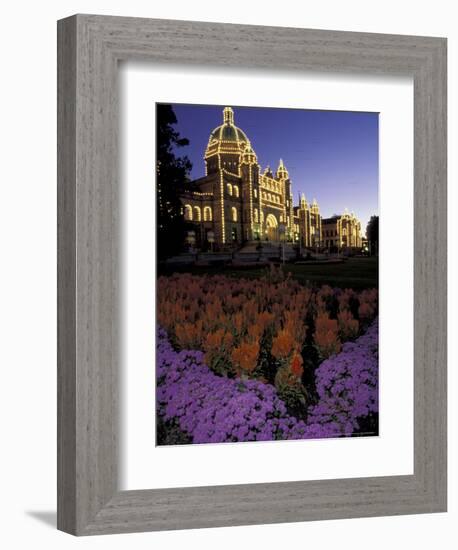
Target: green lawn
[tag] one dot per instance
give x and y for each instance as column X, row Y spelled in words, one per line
column 356, row 273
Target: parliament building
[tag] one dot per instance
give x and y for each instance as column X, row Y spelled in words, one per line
column 236, row 202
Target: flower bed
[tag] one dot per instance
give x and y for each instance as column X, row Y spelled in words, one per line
column 271, row 329
column 211, row 408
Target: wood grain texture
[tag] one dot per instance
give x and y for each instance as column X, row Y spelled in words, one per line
column 90, row 48
column 66, row 275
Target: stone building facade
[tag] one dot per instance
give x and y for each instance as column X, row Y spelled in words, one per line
column 237, row 202
column 342, row 231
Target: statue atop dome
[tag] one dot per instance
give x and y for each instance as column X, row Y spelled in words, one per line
column 228, row 115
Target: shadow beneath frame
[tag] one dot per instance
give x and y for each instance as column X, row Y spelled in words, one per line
column 47, row 517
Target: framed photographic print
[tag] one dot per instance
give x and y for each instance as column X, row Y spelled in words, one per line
column 239, row 283
column 252, row 275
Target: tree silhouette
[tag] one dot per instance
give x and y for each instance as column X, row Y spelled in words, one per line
column 172, row 175
column 372, row 235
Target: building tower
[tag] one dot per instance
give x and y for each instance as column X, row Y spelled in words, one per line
column 223, row 158
column 225, row 146
column 315, row 223
column 251, row 205
column 285, row 186
column 304, row 222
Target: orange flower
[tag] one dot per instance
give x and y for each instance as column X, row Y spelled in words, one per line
column 245, row 357
column 265, row 319
column 255, row 332
column 238, row 322
column 344, row 299
column 348, row 326
column 282, row 345
column 326, row 335
column 218, row 313
column 365, row 311
column 217, row 346
column 218, row 339
column 368, row 304
column 189, row 335
column 294, row 325
column 296, row 365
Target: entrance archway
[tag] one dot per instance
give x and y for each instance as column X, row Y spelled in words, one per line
column 272, row 227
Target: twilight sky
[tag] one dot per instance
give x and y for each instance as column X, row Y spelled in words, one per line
column 330, row 155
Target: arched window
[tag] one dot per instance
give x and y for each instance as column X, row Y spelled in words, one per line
column 234, row 214
column 236, row 190
column 188, row 212
column 207, row 214
column 264, row 196
column 269, row 197
column 229, row 188
column 197, row 213
column 256, row 215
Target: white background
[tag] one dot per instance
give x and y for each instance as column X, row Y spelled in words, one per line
column 389, row 454
column 28, row 274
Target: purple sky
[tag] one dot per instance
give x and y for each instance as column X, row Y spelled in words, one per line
column 330, row 155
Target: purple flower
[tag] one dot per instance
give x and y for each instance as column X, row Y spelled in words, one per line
column 213, row 409
column 347, row 385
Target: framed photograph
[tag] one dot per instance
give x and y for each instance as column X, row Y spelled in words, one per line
column 251, row 275
column 245, row 267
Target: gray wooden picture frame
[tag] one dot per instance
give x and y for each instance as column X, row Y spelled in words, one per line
column 89, row 49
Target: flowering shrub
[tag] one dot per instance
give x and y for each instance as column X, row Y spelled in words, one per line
column 348, row 326
column 367, row 304
column 324, row 298
column 189, row 335
column 245, row 357
column 345, row 298
column 217, row 346
column 283, row 345
column 326, row 335
column 211, row 408
column 246, row 327
column 289, row 385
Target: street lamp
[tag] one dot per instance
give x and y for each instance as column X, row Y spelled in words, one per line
column 211, row 239
column 282, row 231
column 191, row 240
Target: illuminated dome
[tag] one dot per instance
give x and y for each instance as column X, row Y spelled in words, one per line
column 228, row 131
column 227, row 138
